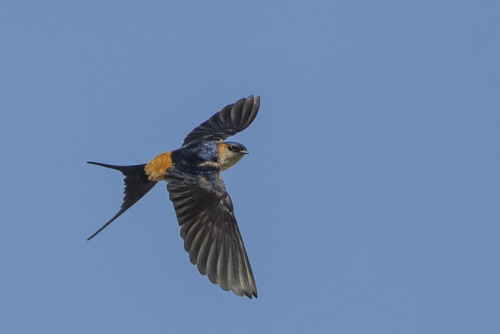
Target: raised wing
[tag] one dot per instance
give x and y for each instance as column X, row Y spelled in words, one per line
column 227, row 122
column 208, row 226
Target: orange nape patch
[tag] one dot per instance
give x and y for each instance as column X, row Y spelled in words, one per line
column 156, row 168
column 222, row 148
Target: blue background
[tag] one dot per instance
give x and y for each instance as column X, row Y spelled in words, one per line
column 369, row 202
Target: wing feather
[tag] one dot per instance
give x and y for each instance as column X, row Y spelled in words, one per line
column 230, row 120
column 210, row 232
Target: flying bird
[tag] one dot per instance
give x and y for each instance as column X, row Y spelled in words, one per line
column 203, row 207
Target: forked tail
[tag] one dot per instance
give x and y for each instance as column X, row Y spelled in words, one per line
column 137, row 185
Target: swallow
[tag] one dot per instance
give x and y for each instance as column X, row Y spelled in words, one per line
column 202, row 205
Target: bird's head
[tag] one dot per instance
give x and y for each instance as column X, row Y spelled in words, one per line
column 230, row 153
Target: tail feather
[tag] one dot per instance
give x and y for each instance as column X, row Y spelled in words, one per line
column 137, row 185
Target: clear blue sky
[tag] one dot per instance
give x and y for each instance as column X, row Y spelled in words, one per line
column 369, row 202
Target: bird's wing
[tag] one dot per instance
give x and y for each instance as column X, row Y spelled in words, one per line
column 208, row 226
column 230, row 120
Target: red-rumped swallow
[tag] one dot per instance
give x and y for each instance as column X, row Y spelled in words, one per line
column 203, row 207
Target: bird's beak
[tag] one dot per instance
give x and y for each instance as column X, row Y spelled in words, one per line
column 244, row 152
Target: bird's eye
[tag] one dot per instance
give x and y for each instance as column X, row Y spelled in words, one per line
column 232, row 147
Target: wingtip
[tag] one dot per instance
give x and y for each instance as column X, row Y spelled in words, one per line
column 256, row 102
column 243, row 293
column 256, row 99
column 254, row 294
column 251, row 295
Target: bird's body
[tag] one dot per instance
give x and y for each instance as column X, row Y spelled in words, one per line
column 203, row 207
